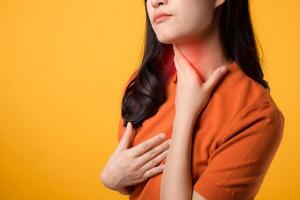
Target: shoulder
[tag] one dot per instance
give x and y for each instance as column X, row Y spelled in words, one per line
column 239, row 92
column 239, row 101
column 243, row 153
column 249, row 103
column 243, row 127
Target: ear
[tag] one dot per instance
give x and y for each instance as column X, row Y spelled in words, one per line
column 219, row 2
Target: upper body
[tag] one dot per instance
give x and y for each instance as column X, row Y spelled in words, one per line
column 234, row 142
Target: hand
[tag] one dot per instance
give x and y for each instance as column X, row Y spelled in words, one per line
column 128, row 167
column 191, row 93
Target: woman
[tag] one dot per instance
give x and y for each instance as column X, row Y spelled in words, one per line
column 223, row 124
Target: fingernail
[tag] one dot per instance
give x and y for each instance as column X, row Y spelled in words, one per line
column 127, row 125
column 162, row 136
column 223, row 69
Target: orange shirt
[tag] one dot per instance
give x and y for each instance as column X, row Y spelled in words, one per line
column 235, row 139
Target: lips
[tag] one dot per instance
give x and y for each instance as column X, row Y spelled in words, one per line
column 160, row 16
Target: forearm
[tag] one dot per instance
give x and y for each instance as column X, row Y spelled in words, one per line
column 176, row 179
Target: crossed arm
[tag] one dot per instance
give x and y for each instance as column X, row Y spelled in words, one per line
column 176, row 181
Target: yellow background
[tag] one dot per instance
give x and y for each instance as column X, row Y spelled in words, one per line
column 63, row 64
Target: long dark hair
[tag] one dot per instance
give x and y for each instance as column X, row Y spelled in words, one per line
column 145, row 92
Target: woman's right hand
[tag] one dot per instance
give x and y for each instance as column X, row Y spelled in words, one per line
column 130, row 166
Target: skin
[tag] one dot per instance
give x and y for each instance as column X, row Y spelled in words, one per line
column 193, row 31
column 129, row 166
column 198, row 56
column 198, row 39
column 191, row 96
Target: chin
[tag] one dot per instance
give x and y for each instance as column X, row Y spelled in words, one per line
column 167, row 39
column 170, row 39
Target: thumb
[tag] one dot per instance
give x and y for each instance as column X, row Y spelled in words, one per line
column 215, row 78
column 127, row 137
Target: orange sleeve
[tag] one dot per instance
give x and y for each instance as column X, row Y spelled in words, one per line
column 236, row 169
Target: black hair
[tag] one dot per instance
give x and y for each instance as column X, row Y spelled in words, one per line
column 145, row 92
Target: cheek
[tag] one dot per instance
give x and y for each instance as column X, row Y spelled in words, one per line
column 195, row 19
column 150, row 11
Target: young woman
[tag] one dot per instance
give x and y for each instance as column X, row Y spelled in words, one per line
column 223, row 124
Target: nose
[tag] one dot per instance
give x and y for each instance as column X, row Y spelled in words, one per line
column 156, row 3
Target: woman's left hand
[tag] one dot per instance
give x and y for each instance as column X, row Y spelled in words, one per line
column 191, row 93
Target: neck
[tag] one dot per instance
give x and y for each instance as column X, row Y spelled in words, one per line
column 205, row 54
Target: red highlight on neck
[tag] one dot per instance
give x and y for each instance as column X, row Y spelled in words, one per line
column 167, row 66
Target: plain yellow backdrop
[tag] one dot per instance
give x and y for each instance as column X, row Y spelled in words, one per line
column 63, row 65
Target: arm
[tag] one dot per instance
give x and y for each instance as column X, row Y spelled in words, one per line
column 191, row 97
column 176, row 179
column 239, row 165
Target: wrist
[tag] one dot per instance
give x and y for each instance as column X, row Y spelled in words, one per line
column 184, row 120
column 110, row 180
column 182, row 132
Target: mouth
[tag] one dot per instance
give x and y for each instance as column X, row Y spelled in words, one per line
column 161, row 17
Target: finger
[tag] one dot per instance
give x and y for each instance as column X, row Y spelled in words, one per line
column 177, row 64
column 155, row 161
column 154, row 171
column 180, row 58
column 152, row 153
column 146, row 145
column 189, row 69
column 215, row 78
column 178, row 67
column 127, row 137
column 148, row 174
